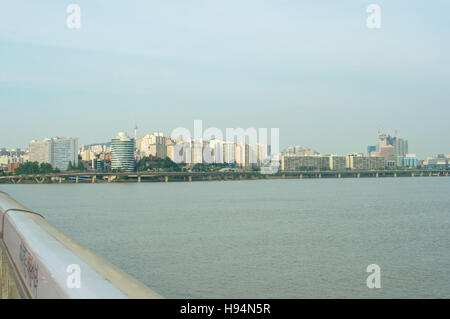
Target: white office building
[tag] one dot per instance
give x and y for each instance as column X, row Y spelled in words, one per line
column 57, row 151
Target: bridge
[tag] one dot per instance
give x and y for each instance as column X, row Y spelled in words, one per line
column 38, row 261
column 161, row 176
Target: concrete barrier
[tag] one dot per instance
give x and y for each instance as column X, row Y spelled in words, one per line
column 39, row 261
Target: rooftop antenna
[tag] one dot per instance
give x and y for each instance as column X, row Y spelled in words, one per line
column 135, row 130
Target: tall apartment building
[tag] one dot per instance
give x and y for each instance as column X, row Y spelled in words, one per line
column 229, row 152
column 400, row 150
column 338, row 162
column 241, row 152
column 296, row 163
column 40, row 151
column 152, row 145
column 358, row 161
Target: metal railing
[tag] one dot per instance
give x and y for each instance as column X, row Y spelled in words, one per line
column 38, row 261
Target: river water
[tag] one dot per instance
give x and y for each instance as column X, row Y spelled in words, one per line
column 305, row 238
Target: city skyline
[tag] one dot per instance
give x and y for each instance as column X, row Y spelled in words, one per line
column 225, row 156
column 362, row 149
column 315, row 71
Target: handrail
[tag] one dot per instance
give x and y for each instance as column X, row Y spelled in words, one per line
column 46, row 263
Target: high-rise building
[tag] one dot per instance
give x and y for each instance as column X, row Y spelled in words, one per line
column 122, row 153
column 297, row 163
column 216, row 148
column 241, row 154
column 152, row 145
column 196, row 153
column 393, row 149
column 358, row 161
column 263, row 153
column 229, row 152
column 40, row 151
column 338, row 162
column 57, row 151
column 370, row 149
column 64, row 150
column 400, row 150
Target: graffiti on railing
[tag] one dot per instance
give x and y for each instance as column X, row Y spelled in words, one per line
column 30, row 269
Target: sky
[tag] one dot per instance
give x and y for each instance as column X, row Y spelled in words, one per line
column 313, row 69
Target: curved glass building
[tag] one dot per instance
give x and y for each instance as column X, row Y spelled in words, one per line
column 122, row 153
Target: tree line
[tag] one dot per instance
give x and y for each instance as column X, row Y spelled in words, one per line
column 30, row 168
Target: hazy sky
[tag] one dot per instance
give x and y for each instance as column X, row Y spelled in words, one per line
column 311, row 68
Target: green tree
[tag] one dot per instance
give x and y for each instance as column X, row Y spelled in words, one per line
column 152, row 163
column 80, row 166
column 31, row 168
column 45, row 168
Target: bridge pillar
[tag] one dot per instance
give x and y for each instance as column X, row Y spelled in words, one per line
column 39, row 181
column 166, row 179
column 76, row 179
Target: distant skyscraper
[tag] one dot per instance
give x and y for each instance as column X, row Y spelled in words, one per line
column 64, row 150
column 393, row 149
column 229, row 152
column 57, row 151
column 370, row 149
column 400, row 150
column 122, row 153
column 40, row 151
